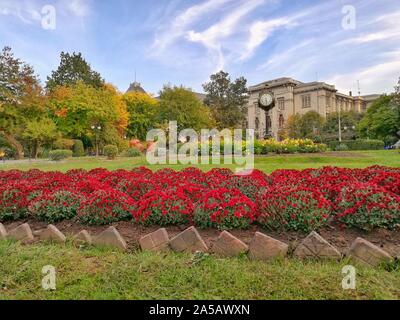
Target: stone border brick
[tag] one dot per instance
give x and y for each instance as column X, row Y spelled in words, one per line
column 263, row 247
column 188, row 240
column 365, row 252
column 111, row 238
column 314, row 246
column 3, row 232
column 227, row 245
column 83, row 237
column 156, row 241
column 51, row 233
column 21, row 233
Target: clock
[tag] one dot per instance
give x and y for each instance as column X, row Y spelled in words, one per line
column 266, row 100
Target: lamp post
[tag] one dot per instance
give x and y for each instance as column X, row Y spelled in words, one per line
column 96, row 129
column 340, row 124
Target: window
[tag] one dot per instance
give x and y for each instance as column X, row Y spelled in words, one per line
column 306, row 101
column 257, row 124
column 281, row 121
column 281, row 103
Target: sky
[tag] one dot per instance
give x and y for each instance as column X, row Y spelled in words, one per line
column 182, row 42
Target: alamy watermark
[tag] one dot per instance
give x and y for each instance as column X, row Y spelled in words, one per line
column 212, row 146
column 49, row 279
column 349, row 280
column 349, row 20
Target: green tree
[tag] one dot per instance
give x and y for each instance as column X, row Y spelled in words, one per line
column 143, row 111
column 349, row 122
column 21, row 98
column 73, row 68
column 39, row 132
column 227, row 99
column 181, row 105
column 76, row 108
column 382, row 120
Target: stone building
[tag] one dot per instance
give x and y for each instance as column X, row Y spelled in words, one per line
column 271, row 103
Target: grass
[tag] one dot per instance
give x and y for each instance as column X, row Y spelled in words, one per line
column 99, row 273
column 353, row 159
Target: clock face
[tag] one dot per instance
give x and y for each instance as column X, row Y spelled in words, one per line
column 266, row 99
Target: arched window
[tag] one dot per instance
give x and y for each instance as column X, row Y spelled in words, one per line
column 257, row 123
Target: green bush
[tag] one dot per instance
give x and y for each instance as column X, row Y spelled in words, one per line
column 360, row 144
column 110, row 151
column 342, row 147
column 132, row 152
column 78, row 149
column 57, row 155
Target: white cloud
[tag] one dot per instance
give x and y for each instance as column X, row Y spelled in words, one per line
column 378, row 78
column 260, row 31
column 178, row 28
column 25, row 11
column 384, row 27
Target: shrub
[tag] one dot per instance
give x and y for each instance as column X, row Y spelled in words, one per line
column 63, row 144
column 224, row 209
column 110, row 151
column 57, row 155
column 169, row 207
column 360, row 144
column 132, row 152
column 56, row 206
column 299, row 209
column 341, row 147
column 368, row 206
column 78, row 149
column 105, row 206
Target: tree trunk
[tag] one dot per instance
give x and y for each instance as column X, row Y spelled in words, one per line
column 19, row 150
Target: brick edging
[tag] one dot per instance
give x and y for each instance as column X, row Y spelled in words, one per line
column 261, row 247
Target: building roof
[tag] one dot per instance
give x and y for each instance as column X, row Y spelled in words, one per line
column 135, row 87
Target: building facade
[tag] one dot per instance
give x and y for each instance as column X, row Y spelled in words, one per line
column 291, row 97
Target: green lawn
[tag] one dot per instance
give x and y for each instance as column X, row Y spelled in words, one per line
column 93, row 273
column 353, row 159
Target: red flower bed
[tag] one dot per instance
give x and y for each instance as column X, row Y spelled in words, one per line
column 367, row 206
column 286, row 199
column 164, row 207
column 105, row 206
column 298, row 208
column 224, row 209
column 56, row 206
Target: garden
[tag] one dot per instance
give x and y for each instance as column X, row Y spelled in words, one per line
column 287, row 199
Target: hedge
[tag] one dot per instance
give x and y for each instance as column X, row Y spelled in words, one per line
column 360, row 144
column 57, row 155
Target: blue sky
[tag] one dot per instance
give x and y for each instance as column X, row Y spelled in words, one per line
column 184, row 41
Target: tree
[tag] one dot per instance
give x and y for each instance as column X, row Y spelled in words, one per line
column 21, row 98
column 143, row 111
column 181, row 105
column 293, row 127
column 382, row 120
column 39, row 132
column 76, row 108
column 308, row 125
column 226, row 99
column 73, row 68
column 349, row 121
